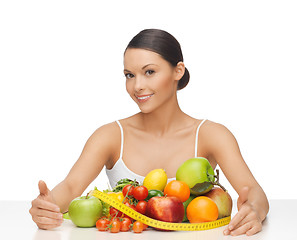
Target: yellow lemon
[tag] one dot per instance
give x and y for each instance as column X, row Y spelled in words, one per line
column 155, row 179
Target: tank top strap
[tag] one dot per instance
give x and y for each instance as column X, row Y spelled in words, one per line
column 122, row 138
column 196, row 139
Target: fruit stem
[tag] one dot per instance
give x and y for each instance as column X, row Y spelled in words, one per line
column 217, row 181
column 220, row 185
column 87, row 195
column 218, row 174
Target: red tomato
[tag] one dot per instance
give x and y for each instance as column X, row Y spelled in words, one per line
column 126, row 188
column 130, row 206
column 141, row 207
column 115, row 226
column 140, row 192
column 102, row 224
column 137, row 227
column 145, row 226
column 115, row 212
column 125, row 224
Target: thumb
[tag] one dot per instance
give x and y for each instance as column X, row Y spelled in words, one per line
column 43, row 188
column 243, row 196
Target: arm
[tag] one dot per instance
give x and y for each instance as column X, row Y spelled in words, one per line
column 252, row 202
column 97, row 151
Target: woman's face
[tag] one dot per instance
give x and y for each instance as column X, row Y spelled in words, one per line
column 150, row 80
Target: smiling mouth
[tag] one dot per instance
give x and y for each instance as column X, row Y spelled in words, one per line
column 145, row 97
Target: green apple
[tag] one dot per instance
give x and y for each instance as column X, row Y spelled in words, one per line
column 85, row 211
column 197, row 173
column 223, row 201
column 66, row 215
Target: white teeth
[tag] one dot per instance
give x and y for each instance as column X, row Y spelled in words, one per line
column 144, row 97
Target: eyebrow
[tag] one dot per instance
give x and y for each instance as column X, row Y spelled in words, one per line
column 142, row 67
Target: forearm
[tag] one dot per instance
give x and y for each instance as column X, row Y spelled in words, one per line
column 63, row 195
column 257, row 198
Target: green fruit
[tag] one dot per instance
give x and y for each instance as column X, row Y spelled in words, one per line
column 186, row 203
column 154, row 193
column 85, row 211
column 197, row 173
column 66, row 215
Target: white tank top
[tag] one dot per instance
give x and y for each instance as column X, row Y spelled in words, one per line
column 120, row 170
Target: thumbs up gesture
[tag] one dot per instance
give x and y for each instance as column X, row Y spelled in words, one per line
column 247, row 220
column 45, row 213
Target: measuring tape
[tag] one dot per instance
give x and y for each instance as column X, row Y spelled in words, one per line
column 156, row 223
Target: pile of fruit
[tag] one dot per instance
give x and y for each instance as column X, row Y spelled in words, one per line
column 191, row 198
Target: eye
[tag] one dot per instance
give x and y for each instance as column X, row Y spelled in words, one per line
column 149, row 72
column 129, row 75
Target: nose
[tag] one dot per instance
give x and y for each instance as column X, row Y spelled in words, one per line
column 139, row 84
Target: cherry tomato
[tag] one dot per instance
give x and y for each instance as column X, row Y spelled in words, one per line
column 115, row 212
column 140, row 192
column 137, row 227
column 114, row 226
column 141, row 207
column 102, row 224
column 126, row 188
column 145, row 226
column 125, row 224
column 130, row 206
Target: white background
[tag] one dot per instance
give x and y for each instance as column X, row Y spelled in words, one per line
column 61, row 72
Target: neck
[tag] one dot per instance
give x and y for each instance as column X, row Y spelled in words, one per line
column 163, row 120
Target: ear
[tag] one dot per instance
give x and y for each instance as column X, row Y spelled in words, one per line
column 179, row 70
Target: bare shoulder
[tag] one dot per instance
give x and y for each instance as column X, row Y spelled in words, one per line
column 217, row 138
column 108, row 134
column 106, row 130
column 215, row 129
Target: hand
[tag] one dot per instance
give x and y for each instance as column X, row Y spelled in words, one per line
column 247, row 220
column 45, row 213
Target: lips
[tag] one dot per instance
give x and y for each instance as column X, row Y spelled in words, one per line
column 143, row 98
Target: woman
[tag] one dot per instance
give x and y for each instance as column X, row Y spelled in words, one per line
column 161, row 135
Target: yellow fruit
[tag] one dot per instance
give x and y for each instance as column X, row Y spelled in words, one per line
column 155, row 179
column 118, row 196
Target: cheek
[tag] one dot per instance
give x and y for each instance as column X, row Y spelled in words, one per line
column 165, row 83
column 129, row 87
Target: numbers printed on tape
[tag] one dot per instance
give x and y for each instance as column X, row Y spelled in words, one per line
column 156, row 223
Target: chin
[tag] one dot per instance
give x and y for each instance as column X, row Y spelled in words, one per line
column 145, row 110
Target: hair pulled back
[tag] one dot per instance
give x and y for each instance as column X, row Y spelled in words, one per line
column 165, row 45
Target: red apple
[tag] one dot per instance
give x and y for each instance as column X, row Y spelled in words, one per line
column 223, row 201
column 167, row 209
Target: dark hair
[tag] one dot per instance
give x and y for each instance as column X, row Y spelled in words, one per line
column 164, row 44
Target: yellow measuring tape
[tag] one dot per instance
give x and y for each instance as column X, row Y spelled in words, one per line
column 156, row 223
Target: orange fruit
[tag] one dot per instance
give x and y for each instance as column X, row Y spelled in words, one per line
column 177, row 189
column 202, row 209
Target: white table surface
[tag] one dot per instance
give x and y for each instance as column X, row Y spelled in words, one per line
column 16, row 223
